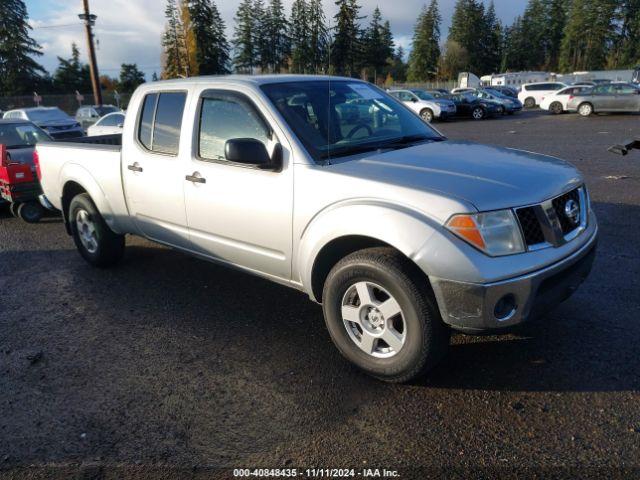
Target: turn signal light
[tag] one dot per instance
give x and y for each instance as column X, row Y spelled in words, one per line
column 36, row 162
column 465, row 226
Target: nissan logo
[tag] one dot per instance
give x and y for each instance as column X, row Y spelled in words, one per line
column 572, row 211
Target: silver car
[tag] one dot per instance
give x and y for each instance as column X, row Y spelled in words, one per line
column 608, row 98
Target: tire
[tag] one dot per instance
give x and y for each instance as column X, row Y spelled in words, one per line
column 30, row 212
column 478, row 113
column 556, row 108
column 530, row 102
column 427, row 115
column 95, row 241
column 585, row 109
column 418, row 338
column 501, row 110
column 13, row 208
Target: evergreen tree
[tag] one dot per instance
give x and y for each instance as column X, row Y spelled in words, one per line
column 423, row 60
column 262, row 37
column 277, row 35
column 71, row 75
column 377, row 46
column 468, row 18
column 173, row 42
column 515, row 48
column 130, row 77
column 627, row 53
column 588, row 35
column 19, row 72
column 211, row 49
column 491, row 38
column 557, row 11
column 300, row 38
column 398, row 69
column 346, row 48
column 318, row 37
column 244, row 42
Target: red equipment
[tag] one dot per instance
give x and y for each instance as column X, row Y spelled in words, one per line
column 19, row 187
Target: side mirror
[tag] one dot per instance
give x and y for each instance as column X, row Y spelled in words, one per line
column 249, row 151
column 120, row 125
column 414, row 100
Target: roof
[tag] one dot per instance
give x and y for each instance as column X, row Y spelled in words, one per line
column 249, row 79
column 31, row 109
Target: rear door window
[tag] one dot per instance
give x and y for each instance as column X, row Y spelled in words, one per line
column 161, row 122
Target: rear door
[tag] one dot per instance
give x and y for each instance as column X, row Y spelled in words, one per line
column 626, row 98
column 238, row 214
column 604, row 98
column 152, row 169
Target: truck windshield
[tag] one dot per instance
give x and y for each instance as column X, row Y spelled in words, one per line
column 342, row 118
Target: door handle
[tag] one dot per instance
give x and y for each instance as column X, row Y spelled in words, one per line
column 195, row 178
column 135, row 167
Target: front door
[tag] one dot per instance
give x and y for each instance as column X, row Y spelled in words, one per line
column 236, row 213
column 153, row 170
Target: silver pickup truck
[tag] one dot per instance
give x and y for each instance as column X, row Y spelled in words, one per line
column 333, row 187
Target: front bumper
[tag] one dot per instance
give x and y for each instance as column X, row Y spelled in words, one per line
column 470, row 307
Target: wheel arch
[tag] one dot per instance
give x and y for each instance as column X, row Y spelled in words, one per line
column 341, row 232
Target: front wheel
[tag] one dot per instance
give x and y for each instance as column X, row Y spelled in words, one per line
column 95, row 241
column 530, row 102
column 427, row 115
column 383, row 317
column 478, row 113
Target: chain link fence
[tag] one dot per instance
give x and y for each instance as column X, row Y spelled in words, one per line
column 68, row 103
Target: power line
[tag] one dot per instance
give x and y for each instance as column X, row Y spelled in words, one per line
column 42, row 27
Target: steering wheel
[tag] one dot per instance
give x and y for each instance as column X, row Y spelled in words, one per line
column 360, row 126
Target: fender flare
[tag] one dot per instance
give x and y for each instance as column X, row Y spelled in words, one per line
column 401, row 227
column 73, row 172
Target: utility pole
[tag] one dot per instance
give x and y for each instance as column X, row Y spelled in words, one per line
column 89, row 21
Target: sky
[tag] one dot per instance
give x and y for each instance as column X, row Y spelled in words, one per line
column 129, row 31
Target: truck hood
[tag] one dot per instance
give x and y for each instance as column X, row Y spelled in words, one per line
column 488, row 177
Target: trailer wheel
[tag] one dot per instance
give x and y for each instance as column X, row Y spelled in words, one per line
column 96, row 242
column 13, row 208
column 30, row 212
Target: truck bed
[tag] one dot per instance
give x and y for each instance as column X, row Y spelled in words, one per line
column 91, row 162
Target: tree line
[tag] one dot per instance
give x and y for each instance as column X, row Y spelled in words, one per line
column 550, row 35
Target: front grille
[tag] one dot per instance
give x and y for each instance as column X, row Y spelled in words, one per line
column 559, row 205
column 530, row 225
column 540, row 228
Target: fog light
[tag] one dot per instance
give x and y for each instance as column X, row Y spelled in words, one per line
column 505, row 308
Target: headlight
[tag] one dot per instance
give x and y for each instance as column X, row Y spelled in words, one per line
column 495, row 233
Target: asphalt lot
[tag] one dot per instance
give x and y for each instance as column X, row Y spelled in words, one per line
column 168, row 360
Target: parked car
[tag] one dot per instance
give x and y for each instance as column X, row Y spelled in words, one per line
column 88, row 115
column 442, row 91
column 508, row 91
column 508, row 105
column 468, row 105
column 532, row 94
column 399, row 233
column 428, row 107
column 607, row 98
column 19, row 138
column 110, row 124
column 52, row 120
column 556, row 102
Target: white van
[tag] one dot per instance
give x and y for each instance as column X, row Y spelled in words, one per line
column 532, row 94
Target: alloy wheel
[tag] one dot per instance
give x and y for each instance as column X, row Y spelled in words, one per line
column 87, row 231
column 374, row 320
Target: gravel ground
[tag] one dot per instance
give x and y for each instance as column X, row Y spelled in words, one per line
column 170, row 367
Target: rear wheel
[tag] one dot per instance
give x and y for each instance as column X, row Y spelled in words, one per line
column 586, row 109
column 530, row 102
column 427, row 115
column 30, row 212
column 556, row 108
column 95, row 241
column 382, row 316
column 478, row 113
